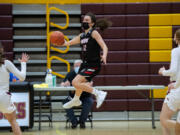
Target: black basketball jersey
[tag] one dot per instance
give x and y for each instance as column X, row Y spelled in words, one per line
column 90, row 48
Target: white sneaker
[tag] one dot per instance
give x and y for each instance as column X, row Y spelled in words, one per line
column 100, row 98
column 72, row 103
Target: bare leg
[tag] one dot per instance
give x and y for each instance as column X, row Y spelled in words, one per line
column 177, row 128
column 165, row 119
column 12, row 120
column 165, row 131
column 80, row 83
column 78, row 92
column 78, row 80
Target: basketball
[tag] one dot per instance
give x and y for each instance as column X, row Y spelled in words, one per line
column 57, row 38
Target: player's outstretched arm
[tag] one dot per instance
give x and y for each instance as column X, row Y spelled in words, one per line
column 11, row 68
column 74, row 41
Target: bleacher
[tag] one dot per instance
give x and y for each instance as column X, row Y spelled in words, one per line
column 30, row 36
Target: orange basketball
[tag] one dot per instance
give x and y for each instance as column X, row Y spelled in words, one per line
column 57, row 38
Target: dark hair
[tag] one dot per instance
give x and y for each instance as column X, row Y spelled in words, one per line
column 177, row 33
column 1, row 54
column 101, row 23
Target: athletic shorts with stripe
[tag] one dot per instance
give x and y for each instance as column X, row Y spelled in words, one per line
column 89, row 71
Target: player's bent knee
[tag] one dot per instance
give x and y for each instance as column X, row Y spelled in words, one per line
column 163, row 120
column 177, row 128
column 161, row 117
column 11, row 120
column 11, row 117
column 75, row 83
column 163, row 123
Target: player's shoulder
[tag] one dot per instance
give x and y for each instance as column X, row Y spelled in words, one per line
column 7, row 62
column 177, row 49
column 95, row 33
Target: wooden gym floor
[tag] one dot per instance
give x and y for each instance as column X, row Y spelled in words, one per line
column 100, row 128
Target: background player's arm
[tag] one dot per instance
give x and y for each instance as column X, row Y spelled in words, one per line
column 74, row 41
column 102, row 44
column 66, row 82
column 173, row 66
column 20, row 74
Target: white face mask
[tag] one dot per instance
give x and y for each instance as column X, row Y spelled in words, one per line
column 76, row 69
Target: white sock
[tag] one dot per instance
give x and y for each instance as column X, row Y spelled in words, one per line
column 95, row 92
column 76, row 97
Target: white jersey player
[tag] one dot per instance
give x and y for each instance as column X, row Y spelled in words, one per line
column 172, row 101
column 6, row 105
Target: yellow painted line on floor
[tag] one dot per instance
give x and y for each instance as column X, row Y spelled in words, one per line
column 59, row 132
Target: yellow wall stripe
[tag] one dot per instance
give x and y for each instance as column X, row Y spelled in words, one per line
column 160, row 31
column 175, row 19
column 160, row 44
column 79, row 1
column 160, row 19
column 160, row 56
column 164, row 19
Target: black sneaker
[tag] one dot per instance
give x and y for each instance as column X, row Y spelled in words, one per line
column 82, row 125
column 74, row 126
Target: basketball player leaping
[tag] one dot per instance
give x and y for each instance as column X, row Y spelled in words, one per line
column 91, row 43
column 6, row 105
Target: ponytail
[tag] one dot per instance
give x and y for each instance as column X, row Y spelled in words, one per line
column 103, row 24
column 100, row 23
column 1, row 54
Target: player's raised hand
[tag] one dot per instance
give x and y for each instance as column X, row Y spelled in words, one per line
column 24, row 58
column 161, row 70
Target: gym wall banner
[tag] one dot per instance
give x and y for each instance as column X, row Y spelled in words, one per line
column 22, row 103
